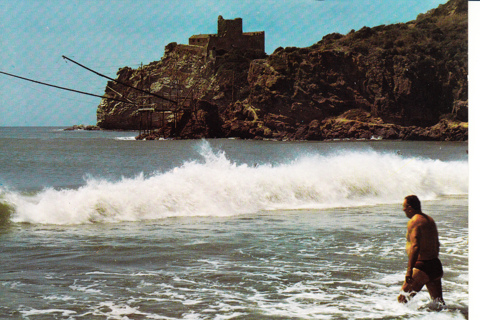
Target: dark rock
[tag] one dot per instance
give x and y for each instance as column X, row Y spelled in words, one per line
column 395, row 81
column 82, row 127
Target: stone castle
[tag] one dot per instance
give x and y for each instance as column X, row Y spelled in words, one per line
column 230, row 36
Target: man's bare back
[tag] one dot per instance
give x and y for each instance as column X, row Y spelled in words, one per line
column 423, row 229
column 424, row 267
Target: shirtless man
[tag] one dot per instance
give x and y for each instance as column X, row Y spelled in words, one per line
column 424, row 267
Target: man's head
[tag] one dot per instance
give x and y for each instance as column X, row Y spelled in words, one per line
column 411, row 205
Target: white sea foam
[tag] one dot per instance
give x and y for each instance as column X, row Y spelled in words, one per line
column 86, row 289
column 217, row 186
column 36, row 312
column 132, row 138
column 111, row 310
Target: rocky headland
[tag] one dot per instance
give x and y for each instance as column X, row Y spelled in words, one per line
column 82, row 127
column 402, row 81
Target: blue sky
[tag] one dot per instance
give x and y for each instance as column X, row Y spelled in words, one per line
column 107, row 35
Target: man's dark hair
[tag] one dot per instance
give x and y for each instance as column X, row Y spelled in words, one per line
column 413, row 202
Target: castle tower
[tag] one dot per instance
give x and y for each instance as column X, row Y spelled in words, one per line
column 230, row 28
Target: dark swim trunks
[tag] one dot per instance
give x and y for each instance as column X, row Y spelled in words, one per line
column 433, row 268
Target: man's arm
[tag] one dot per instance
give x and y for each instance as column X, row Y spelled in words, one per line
column 414, row 252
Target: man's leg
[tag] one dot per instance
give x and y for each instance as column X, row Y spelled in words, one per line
column 409, row 290
column 435, row 289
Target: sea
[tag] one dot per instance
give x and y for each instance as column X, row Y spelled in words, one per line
column 97, row 225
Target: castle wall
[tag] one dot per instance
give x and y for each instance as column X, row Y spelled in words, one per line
column 199, row 40
column 246, row 41
column 190, row 48
column 256, row 40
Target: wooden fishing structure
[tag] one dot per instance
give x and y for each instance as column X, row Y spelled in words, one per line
column 154, row 110
column 176, row 102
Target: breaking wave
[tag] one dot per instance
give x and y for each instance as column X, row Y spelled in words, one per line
column 217, row 186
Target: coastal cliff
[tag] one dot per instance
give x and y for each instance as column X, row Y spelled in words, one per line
column 402, row 81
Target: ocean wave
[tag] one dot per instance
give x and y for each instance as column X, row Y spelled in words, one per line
column 217, row 186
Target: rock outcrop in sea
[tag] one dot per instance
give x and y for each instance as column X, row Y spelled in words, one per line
column 401, row 81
